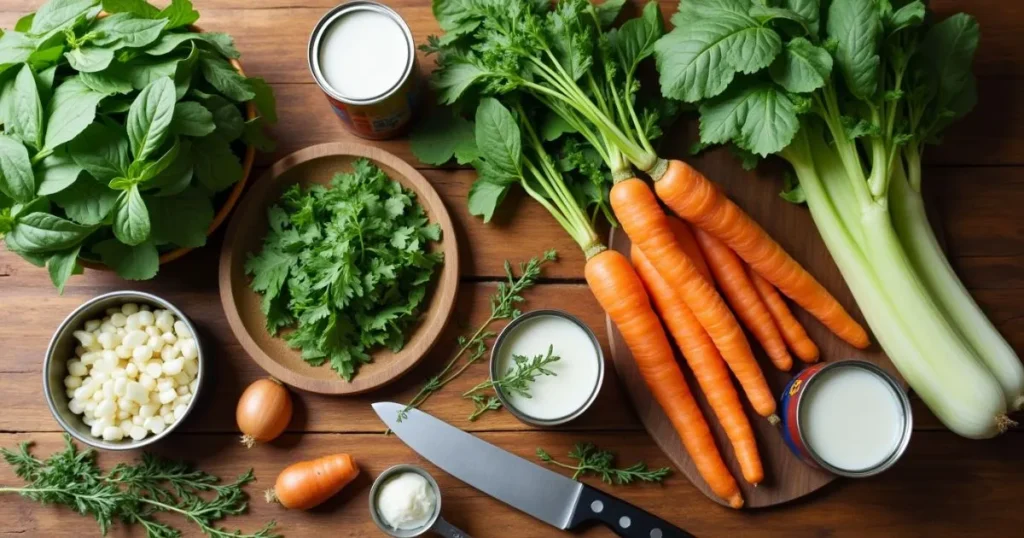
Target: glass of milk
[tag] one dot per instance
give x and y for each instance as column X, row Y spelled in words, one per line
column 579, row 372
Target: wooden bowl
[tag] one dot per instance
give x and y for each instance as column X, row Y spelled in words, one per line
column 226, row 207
column 317, row 164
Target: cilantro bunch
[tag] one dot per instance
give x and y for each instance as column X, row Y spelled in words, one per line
column 347, row 265
column 118, row 133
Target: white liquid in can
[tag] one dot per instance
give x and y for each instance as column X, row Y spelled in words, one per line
column 363, row 54
column 851, row 418
column 558, row 396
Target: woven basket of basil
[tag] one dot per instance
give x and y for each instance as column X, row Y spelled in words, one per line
column 126, row 135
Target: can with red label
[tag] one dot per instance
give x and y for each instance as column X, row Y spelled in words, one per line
column 363, row 57
column 850, row 418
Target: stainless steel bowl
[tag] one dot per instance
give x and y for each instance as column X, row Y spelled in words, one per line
column 62, row 349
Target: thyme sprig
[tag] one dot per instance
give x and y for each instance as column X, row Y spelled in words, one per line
column 591, row 460
column 516, row 380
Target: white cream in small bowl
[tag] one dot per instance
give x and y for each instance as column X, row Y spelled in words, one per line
column 405, row 502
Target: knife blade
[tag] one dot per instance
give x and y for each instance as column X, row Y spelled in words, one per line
column 526, row 486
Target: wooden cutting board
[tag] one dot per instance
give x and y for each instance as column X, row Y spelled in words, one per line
column 786, row 476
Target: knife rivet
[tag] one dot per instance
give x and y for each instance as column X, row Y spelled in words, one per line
column 597, row 506
column 655, row 533
column 625, row 522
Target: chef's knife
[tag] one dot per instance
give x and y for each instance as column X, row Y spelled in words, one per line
column 544, row 494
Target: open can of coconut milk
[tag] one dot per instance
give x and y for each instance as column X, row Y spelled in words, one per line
column 850, row 418
column 363, row 57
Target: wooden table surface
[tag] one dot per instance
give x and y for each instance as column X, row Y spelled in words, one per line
column 944, row 486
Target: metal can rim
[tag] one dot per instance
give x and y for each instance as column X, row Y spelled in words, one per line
column 494, row 374
column 901, row 396
column 329, row 18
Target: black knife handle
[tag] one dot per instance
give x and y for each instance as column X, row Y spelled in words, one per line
column 625, row 519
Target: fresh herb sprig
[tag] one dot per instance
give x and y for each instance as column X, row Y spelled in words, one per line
column 132, row 493
column 591, row 460
column 516, row 380
column 505, row 303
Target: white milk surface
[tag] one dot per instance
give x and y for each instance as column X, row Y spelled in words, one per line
column 851, row 418
column 553, row 397
column 363, row 54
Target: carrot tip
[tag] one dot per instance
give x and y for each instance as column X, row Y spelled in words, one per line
column 736, row 501
column 773, row 419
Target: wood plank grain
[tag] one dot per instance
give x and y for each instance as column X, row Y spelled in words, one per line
column 944, row 486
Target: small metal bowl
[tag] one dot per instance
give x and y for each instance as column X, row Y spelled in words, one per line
column 62, row 349
column 435, row 523
column 496, row 374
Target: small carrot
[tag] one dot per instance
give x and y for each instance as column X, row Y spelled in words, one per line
column 792, row 331
column 692, row 196
column 617, row 288
column 684, row 235
column 707, row 365
column 306, row 484
column 734, row 282
column 647, row 225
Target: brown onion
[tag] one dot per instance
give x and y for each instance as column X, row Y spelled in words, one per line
column 264, row 411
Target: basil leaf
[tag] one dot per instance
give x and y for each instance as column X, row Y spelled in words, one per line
column 37, row 205
column 221, row 43
column 856, row 27
column 89, row 59
column 226, row 117
column 151, row 170
column 43, row 57
column 24, row 24
column 759, row 118
column 58, row 14
column 112, row 80
column 254, row 135
column 182, row 219
column 102, row 150
column 150, row 116
column 142, row 72
column 809, row 10
column 139, row 8
column 140, row 262
column 27, row 109
column 498, row 138
column 802, row 67
column 121, row 183
column 266, row 104
column 131, row 218
column 192, row 119
column 44, row 82
column 56, row 172
column 17, row 181
column 72, row 109
column 215, row 164
column 125, row 30
column 15, row 48
column 179, row 13
column 221, row 75
column 183, row 73
column 61, row 265
column 41, row 232
column 87, row 201
column 485, row 197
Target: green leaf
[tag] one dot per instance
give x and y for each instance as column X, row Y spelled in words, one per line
column 139, row 8
column 802, row 67
column 221, row 75
column 131, row 218
column 61, row 265
column 226, row 117
column 150, row 117
column 179, row 13
column 183, row 72
column 72, row 109
column 177, row 176
column 856, row 27
column 102, row 151
column 809, row 10
column 759, row 118
column 567, row 34
column 553, row 126
column 150, row 170
column 215, row 164
column 908, row 16
column 56, row 172
column 45, row 58
column 87, row 201
column 699, row 59
column 90, row 59
column 608, row 11
column 58, row 14
column 113, row 80
column 27, row 109
column 143, row 71
column 44, row 82
column 124, row 30
column 792, row 192
column 441, row 135
column 192, row 119
column 452, row 80
column 17, row 181
column 255, row 135
column 182, row 219
column 485, row 197
column 498, row 138
column 140, row 262
column 221, row 43
column 15, row 48
column 24, row 24
column 42, row 232
column 266, row 104
column 948, row 48
column 634, row 40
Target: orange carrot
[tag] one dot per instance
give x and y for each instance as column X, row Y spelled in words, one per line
column 684, row 235
column 647, row 225
column 707, row 366
column 305, row 484
column 619, row 291
column 792, row 332
column 732, row 279
column 693, row 197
